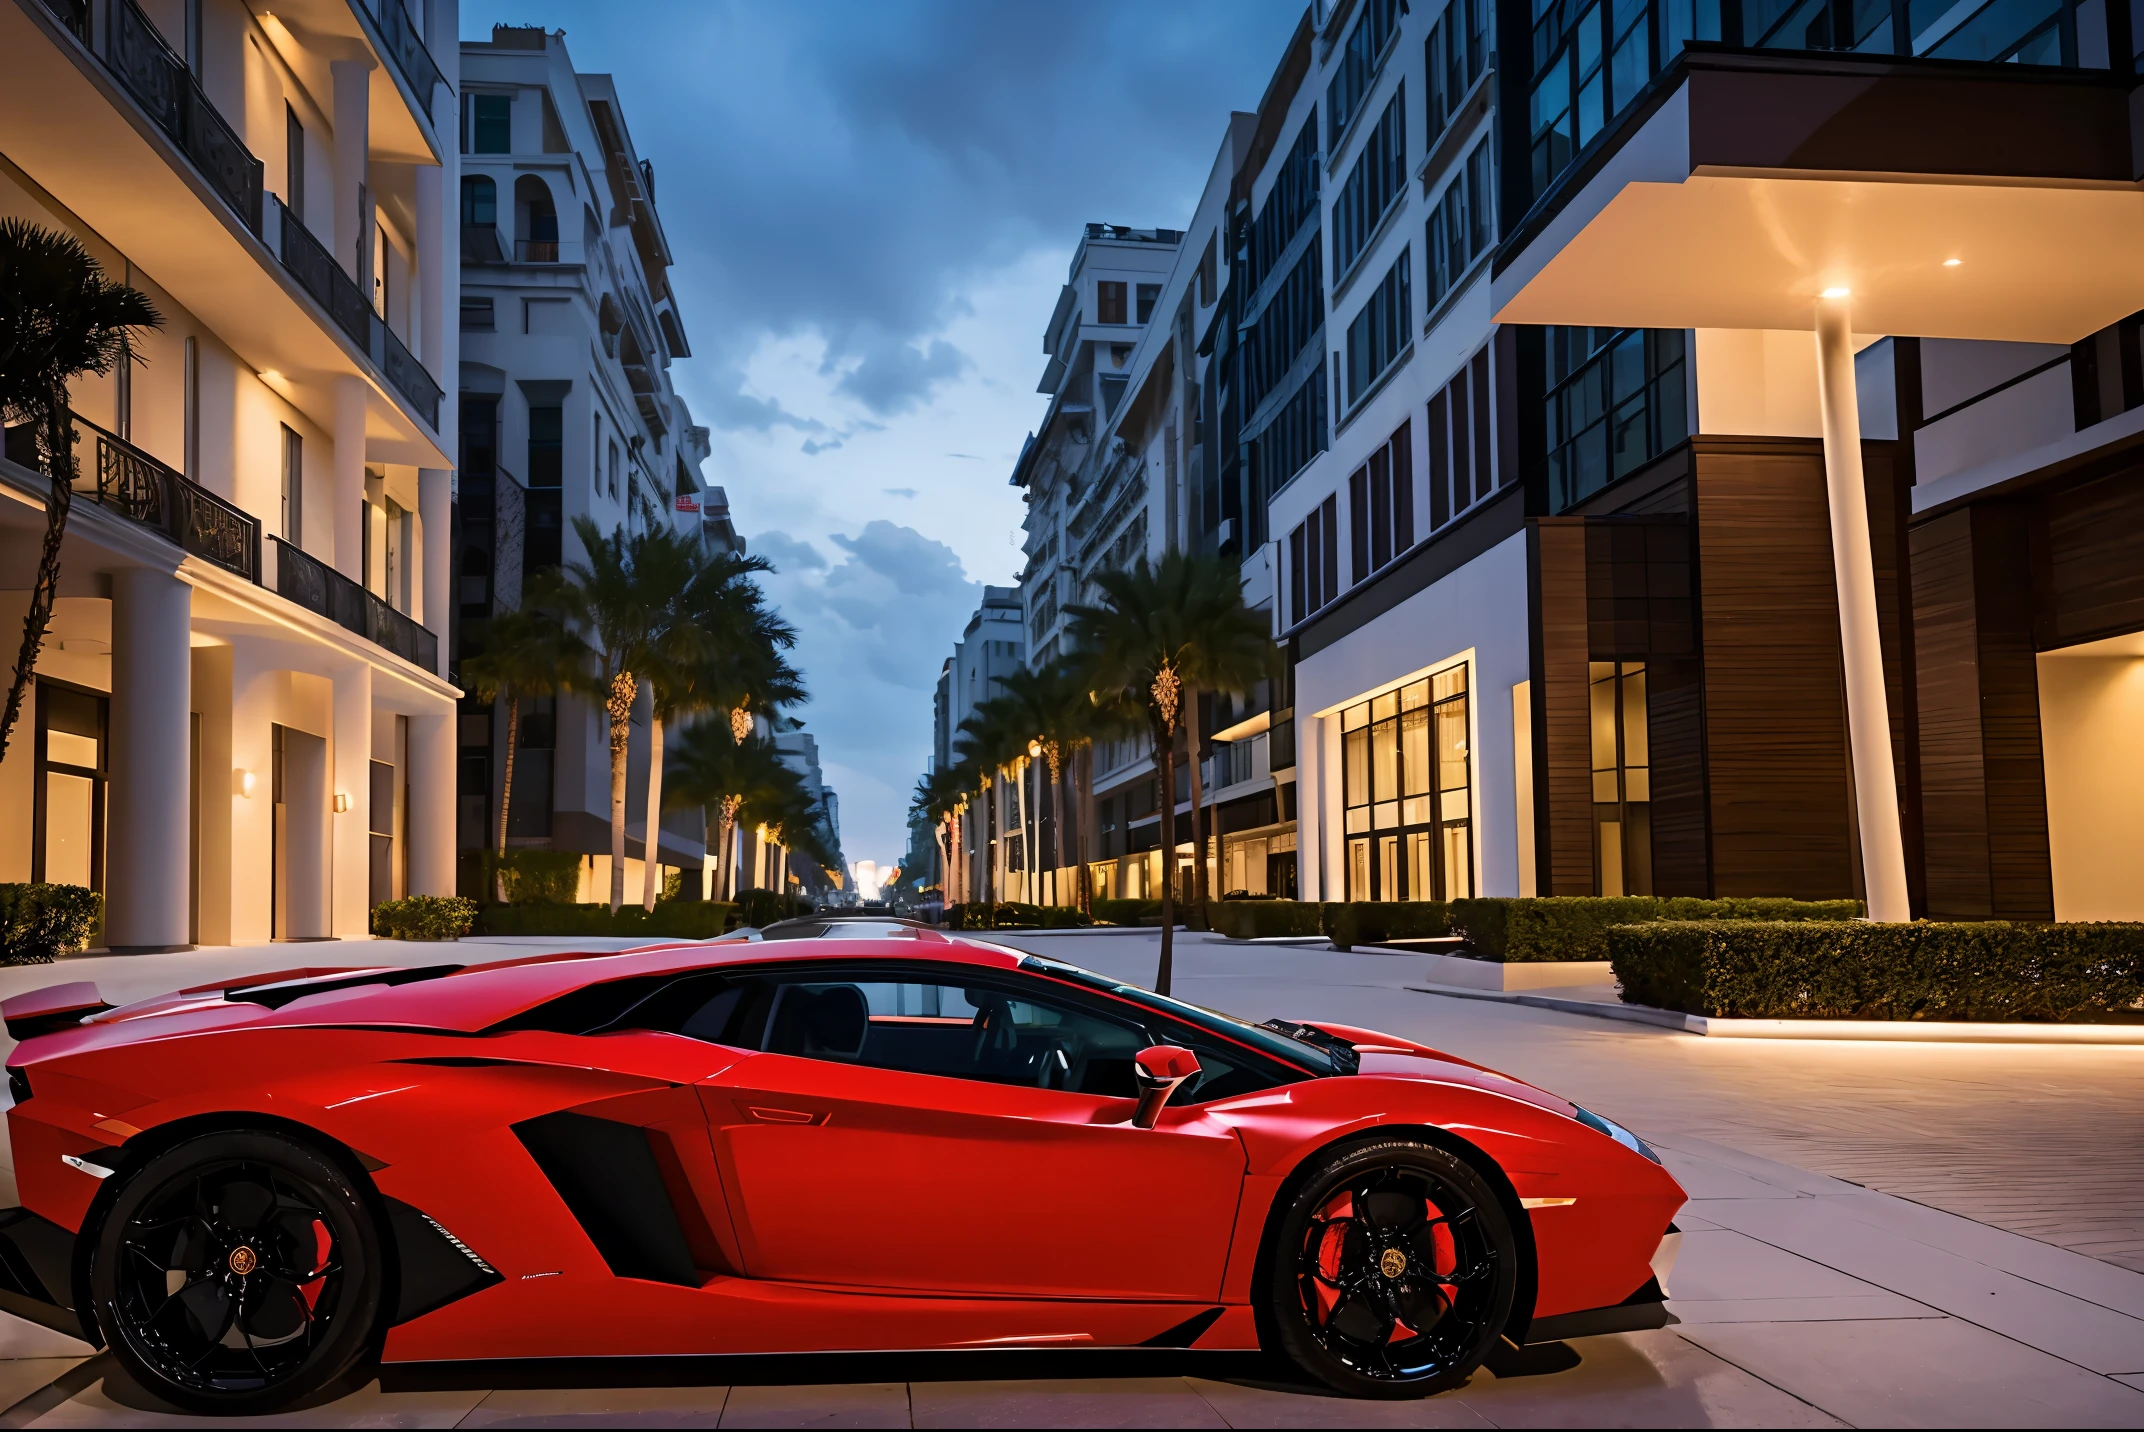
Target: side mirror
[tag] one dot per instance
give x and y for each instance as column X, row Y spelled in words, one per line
column 1160, row 1070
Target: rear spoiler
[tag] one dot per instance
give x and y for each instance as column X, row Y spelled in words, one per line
column 54, row 1007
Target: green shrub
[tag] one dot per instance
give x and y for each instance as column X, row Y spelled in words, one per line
column 41, row 922
column 1348, row 923
column 764, row 907
column 1013, row 915
column 675, row 920
column 542, row 876
column 1262, row 918
column 1801, row 969
column 424, row 917
column 1575, row 927
column 1125, row 912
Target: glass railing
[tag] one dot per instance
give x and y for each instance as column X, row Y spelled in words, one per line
column 1590, row 59
column 163, row 86
column 406, row 48
column 317, row 587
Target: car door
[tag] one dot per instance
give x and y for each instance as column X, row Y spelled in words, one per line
column 946, row 1129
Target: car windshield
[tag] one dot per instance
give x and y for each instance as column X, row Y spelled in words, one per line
column 1323, row 1057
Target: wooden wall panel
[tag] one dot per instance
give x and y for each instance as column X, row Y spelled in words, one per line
column 1675, row 712
column 1563, row 783
column 2092, row 580
column 1774, row 698
column 1954, row 807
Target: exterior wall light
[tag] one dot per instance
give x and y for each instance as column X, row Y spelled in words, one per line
column 242, row 783
column 1952, row 263
column 342, row 803
column 1837, row 293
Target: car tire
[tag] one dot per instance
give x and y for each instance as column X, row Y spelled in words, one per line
column 1391, row 1271
column 237, row 1273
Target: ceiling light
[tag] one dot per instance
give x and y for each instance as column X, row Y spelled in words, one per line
column 1952, row 263
column 1837, row 293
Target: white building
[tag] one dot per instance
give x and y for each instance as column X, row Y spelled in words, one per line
column 241, row 727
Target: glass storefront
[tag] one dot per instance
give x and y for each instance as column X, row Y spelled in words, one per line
column 1406, row 779
column 70, row 756
column 1622, row 778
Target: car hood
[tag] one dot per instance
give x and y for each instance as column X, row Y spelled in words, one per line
column 1392, row 1056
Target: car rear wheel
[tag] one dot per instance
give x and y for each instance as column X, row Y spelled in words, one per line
column 1392, row 1271
column 237, row 1273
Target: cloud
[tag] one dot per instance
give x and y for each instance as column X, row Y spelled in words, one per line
column 916, row 565
column 812, row 447
column 899, row 377
column 787, row 553
column 898, row 491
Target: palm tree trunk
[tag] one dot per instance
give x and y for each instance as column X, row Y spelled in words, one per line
column 651, row 842
column 59, row 444
column 1200, row 891
column 620, row 707
column 1165, row 743
column 1085, row 884
column 506, row 791
column 1027, row 837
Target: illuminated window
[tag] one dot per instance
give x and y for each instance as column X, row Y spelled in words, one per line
column 1406, row 791
column 1622, row 779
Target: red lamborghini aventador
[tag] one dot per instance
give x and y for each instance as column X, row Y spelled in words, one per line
column 879, row 1138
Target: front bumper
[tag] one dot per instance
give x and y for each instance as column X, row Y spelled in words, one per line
column 37, row 1274
column 1644, row 1309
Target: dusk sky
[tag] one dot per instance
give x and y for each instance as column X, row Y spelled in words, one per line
column 872, row 208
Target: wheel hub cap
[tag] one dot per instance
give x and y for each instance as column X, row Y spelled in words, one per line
column 1392, row 1263
column 243, row 1260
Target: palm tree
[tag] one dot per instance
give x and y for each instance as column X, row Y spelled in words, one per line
column 1049, row 704
column 720, row 771
column 705, row 621
column 1158, row 630
column 527, row 655
column 60, row 319
column 990, row 742
column 938, row 798
column 1229, row 650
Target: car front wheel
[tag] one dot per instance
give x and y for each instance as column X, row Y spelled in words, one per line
column 237, row 1272
column 1392, row 1271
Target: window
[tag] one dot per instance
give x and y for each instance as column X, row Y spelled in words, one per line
column 1381, row 504
column 381, row 302
column 1373, row 186
column 547, row 444
column 1462, row 467
column 491, row 124
column 1314, row 560
column 293, row 162
column 1148, row 295
column 192, row 398
column 1615, row 401
column 1461, row 227
column 1357, row 69
column 1379, row 334
column 1455, row 56
column 615, row 460
column 293, row 488
column 1406, row 786
column 380, row 822
column 480, row 202
column 1109, row 301
column 1290, row 320
column 1290, row 204
column 1209, row 273
column 68, row 795
column 1622, row 779
column 478, row 315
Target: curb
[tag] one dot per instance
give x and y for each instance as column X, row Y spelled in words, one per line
column 1863, row 1030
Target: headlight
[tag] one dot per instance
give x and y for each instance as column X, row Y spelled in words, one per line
column 1617, row 1132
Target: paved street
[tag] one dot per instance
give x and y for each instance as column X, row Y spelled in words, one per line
column 1878, row 1236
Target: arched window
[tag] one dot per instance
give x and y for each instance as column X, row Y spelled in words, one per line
column 536, row 222
column 480, row 201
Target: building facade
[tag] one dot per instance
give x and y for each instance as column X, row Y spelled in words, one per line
column 567, row 409
column 241, row 726
column 992, row 645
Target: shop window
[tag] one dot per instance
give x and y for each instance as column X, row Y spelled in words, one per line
column 1622, row 779
column 1406, row 790
column 68, row 796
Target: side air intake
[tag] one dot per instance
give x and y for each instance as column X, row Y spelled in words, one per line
column 609, row 1181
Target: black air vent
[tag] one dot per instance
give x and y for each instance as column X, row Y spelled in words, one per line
column 435, row 1268
column 275, row 996
column 609, row 1180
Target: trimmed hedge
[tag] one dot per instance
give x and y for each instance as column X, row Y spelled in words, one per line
column 1265, row 919
column 1125, row 912
column 670, row 919
column 424, row 917
column 1989, row 970
column 40, row 922
column 1575, row 927
column 1348, row 923
column 1013, row 915
column 542, row 876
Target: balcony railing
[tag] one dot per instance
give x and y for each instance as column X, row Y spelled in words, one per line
column 318, row 274
column 317, row 587
column 407, row 50
column 541, row 251
column 141, row 489
column 162, row 84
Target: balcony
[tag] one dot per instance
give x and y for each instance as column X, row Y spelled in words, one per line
column 319, row 588
column 318, row 274
column 545, row 251
column 406, row 49
column 139, row 488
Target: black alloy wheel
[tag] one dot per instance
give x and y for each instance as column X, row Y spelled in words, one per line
column 1392, row 1271
column 237, row 1273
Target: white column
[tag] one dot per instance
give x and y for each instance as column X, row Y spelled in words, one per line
column 1868, row 718
column 435, row 527
column 147, row 834
column 349, row 478
column 431, row 804
column 353, row 128
column 349, row 787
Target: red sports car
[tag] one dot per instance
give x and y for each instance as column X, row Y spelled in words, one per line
column 879, row 1138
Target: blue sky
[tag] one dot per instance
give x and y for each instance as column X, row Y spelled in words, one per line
column 872, row 207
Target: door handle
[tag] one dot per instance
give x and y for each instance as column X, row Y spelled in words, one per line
column 766, row 1115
